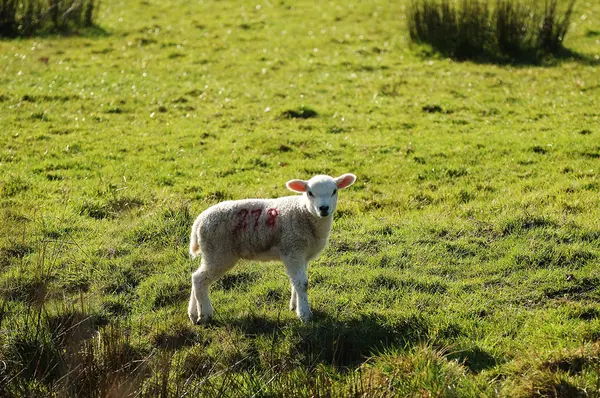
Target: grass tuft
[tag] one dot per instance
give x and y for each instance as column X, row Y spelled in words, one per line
column 108, row 208
column 169, row 228
column 29, row 17
column 301, row 113
column 504, row 30
column 412, row 372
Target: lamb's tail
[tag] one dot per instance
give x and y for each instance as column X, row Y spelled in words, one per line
column 194, row 240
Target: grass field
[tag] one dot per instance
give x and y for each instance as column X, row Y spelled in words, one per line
column 465, row 261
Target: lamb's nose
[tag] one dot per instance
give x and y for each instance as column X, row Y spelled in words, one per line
column 324, row 209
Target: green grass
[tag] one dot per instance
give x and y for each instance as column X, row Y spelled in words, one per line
column 464, row 262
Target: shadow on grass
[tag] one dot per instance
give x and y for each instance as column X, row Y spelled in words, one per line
column 560, row 56
column 87, row 32
column 475, row 359
column 342, row 343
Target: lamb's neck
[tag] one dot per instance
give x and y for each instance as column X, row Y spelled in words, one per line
column 322, row 226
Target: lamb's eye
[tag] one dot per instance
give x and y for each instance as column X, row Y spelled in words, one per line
column 334, row 192
column 310, row 194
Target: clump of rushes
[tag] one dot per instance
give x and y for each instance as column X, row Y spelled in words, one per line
column 28, row 17
column 506, row 30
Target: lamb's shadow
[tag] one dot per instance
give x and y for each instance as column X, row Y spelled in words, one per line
column 343, row 343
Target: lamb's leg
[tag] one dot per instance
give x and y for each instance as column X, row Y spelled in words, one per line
column 293, row 299
column 193, row 312
column 296, row 270
column 209, row 271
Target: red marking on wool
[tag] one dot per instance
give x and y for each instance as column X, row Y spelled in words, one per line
column 242, row 219
column 256, row 213
column 241, row 224
column 272, row 219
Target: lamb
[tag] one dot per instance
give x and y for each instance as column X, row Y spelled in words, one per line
column 293, row 229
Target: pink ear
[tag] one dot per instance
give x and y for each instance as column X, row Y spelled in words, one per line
column 297, row 185
column 345, row 180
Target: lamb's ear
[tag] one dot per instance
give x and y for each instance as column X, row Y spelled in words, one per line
column 344, row 181
column 297, row 185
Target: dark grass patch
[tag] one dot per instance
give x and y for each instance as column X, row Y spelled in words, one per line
column 539, row 150
column 336, row 130
column 49, row 98
column 555, row 388
column 394, row 283
column 347, row 343
column 301, row 113
column 124, row 280
column 284, row 148
column 432, row 109
column 574, row 361
column 586, row 314
column 116, row 306
column 36, row 356
column 236, row 281
column 474, row 358
column 15, row 250
column 115, row 110
column 25, row 288
column 573, row 365
column 465, row 196
column 340, row 343
column 456, row 173
column 594, row 154
column 276, row 295
column 524, row 223
column 450, row 331
column 55, row 232
column 74, row 282
column 197, row 363
column 217, row 196
column 555, row 257
column 579, row 289
column 175, row 337
column 461, row 249
column 180, row 100
column 159, row 291
column 112, row 252
column 420, row 200
column 108, row 208
column 71, row 327
column 54, row 177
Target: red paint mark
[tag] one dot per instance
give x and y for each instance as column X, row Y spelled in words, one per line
column 242, row 219
column 272, row 213
column 256, row 213
column 242, row 224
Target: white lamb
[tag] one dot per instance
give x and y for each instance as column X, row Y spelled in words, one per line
column 293, row 229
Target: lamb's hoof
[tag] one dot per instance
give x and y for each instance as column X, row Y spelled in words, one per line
column 203, row 320
column 292, row 307
column 305, row 317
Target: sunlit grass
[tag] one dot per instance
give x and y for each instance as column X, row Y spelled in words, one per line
column 464, row 262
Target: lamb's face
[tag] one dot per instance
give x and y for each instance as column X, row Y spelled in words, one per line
column 321, row 192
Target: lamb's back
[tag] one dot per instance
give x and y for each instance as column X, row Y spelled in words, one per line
column 251, row 228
